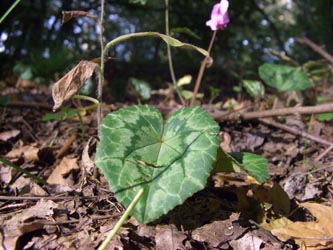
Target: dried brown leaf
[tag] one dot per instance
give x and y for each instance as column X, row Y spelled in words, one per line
column 168, row 237
column 57, row 177
column 70, row 83
column 87, row 163
column 29, row 220
column 6, row 174
column 6, row 135
column 248, row 241
column 28, row 152
column 219, row 231
column 24, row 185
column 313, row 234
column 68, row 15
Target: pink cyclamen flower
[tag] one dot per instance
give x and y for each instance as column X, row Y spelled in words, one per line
column 219, row 17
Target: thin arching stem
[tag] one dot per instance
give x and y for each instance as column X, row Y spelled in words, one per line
column 172, row 72
column 202, row 70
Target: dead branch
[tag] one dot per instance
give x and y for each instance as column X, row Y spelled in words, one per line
column 316, row 48
column 294, row 131
column 227, row 116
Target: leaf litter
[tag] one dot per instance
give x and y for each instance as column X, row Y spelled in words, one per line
column 77, row 211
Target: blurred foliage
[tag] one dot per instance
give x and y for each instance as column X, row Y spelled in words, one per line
column 283, row 77
column 33, row 35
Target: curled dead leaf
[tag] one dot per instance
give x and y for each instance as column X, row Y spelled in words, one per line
column 68, row 15
column 169, row 237
column 86, row 162
column 28, row 152
column 6, row 135
column 59, row 174
column 70, row 83
column 316, row 234
column 31, row 219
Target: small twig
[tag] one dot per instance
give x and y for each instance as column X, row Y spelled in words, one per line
column 22, row 104
column 93, row 217
column 54, row 198
column 223, row 116
column 319, row 157
column 316, row 48
column 295, row 131
column 63, row 150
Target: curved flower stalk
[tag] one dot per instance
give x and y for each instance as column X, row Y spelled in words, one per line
column 219, row 19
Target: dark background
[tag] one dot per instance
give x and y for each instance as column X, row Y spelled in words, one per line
column 32, row 35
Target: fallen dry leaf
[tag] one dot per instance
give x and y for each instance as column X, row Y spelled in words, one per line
column 70, row 83
column 313, row 234
column 168, row 237
column 6, row 135
column 6, row 174
column 248, row 241
column 15, row 225
column 218, row 232
column 28, row 152
column 68, row 15
column 24, row 185
column 86, row 162
column 66, row 165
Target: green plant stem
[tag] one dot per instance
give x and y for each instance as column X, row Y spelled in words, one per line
column 168, row 39
column 9, row 10
column 101, row 75
column 122, row 220
column 172, row 72
column 87, row 98
column 202, row 70
column 22, row 170
column 126, row 37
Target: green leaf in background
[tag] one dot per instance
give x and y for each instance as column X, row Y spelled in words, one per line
column 187, row 94
column 4, row 100
column 239, row 162
column 64, row 114
column 325, row 117
column 226, row 163
column 141, row 87
column 142, row 2
column 24, row 71
column 185, row 80
column 254, row 165
column 170, row 161
column 254, row 88
column 87, row 87
column 283, row 78
column 184, row 30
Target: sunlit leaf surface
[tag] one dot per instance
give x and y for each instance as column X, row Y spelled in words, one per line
column 170, row 161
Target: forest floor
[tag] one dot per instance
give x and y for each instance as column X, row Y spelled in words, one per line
column 76, row 210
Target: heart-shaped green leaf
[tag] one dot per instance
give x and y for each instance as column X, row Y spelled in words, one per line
column 254, row 88
column 252, row 164
column 255, row 165
column 170, row 161
column 284, row 78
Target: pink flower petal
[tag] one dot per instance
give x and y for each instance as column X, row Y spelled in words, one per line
column 219, row 17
